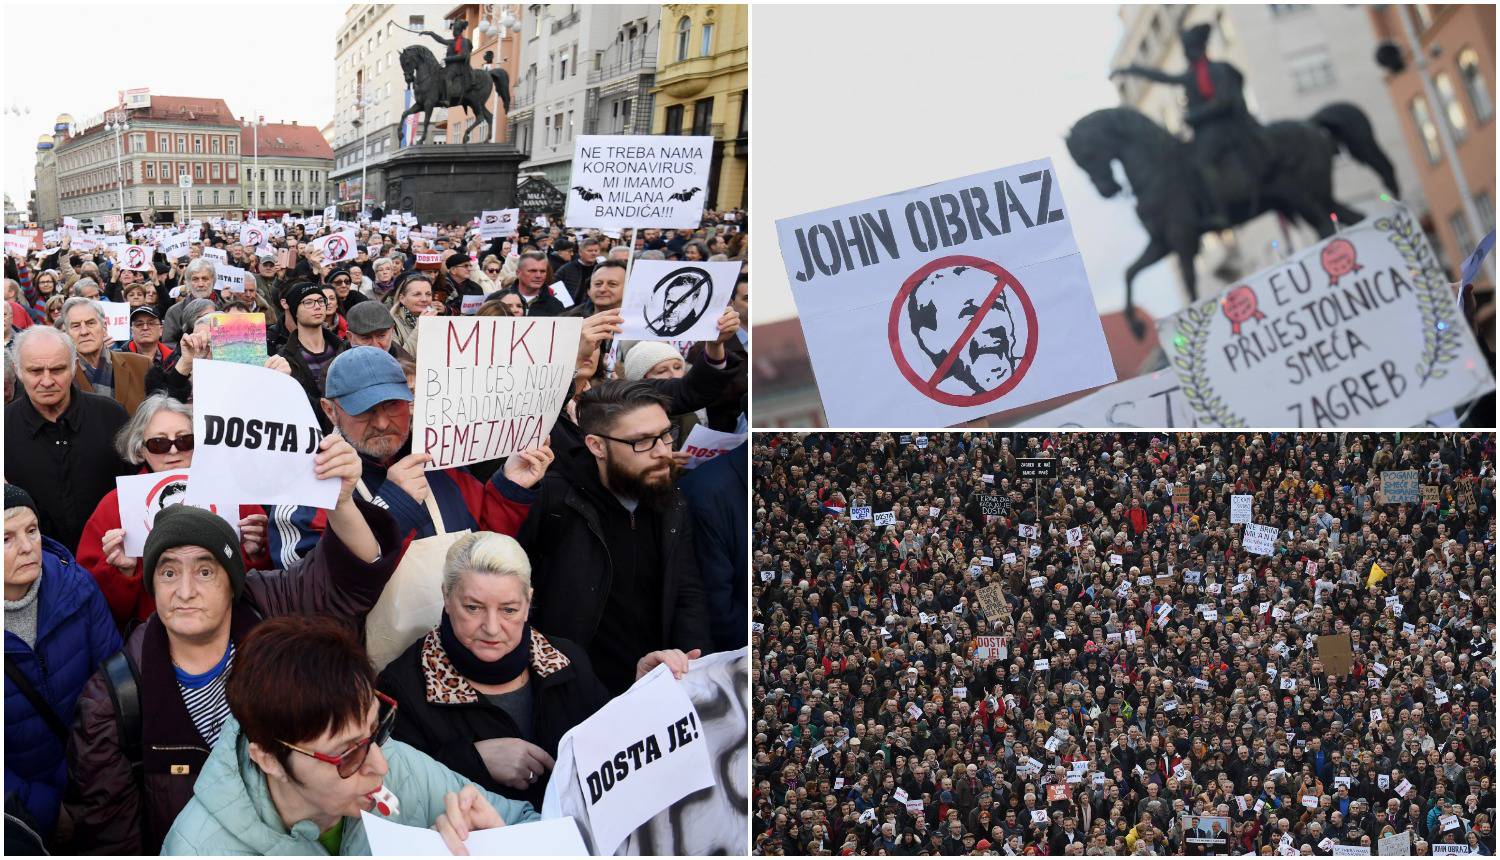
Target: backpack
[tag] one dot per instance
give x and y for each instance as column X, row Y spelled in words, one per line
column 124, row 685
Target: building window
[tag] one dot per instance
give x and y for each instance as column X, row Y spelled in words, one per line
column 163, row 143
column 166, row 171
column 232, row 171
column 150, row 170
column 703, row 116
column 1479, row 91
column 570, row 125
column 1313, row 72
column 182, row 143
column 166, row 198
column 213, row 144
column 213, row 170
column 150, row 198
column 296, row 198
column 707, row 45
column 1426, row 129
column 198, row 172
column 684, row 34
column 198, row 143
column 674, row 120
column 216, row 197
column 200, row 196
column 263, row 198
column 230, row 145
column 1486, row 208
column 1461, row 234
column 137, row 143
column 1453, row 110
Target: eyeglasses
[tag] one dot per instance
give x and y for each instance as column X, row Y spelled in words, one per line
column 641, row 446
column 351, row 760
column 311, row 303
column 161, row 444
column 337, row 281
column 492, row 271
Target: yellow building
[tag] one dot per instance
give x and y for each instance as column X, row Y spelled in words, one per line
column 703, row 87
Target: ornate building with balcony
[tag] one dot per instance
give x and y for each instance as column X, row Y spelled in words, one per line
column 703, row 88
column 291, row 171
column 585, row 69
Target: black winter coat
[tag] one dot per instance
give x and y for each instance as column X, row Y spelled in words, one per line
column 442, row 715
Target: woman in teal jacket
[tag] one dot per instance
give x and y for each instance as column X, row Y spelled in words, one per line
column 308, row 749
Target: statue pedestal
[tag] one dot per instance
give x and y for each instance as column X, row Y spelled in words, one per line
column 452, row 183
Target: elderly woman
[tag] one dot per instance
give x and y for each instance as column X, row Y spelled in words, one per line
column 158, row 438
column 383, row 280
column 307, row 749
column 485, row 693
column 412, row 299
column 200, row 285
column 488, row 276
column 57, row 629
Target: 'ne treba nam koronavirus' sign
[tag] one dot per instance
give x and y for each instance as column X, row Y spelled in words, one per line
column 638, row 180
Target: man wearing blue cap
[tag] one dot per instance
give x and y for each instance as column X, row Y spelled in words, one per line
column 367, row 399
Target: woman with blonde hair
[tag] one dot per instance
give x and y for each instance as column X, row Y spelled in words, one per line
column 412, row 299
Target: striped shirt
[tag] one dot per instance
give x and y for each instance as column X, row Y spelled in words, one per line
column 204, row 696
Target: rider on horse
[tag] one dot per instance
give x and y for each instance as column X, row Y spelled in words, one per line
column 1227, row 142
column 456, row 60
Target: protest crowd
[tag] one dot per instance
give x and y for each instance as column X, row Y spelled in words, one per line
column 951, row 658
column 232, row 686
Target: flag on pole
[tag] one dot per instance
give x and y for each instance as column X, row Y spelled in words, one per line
column 1377, row 573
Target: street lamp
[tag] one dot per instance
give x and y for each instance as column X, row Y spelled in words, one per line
column 504, row 23
column 118, row 123
column 364, row 147
column 260, row 120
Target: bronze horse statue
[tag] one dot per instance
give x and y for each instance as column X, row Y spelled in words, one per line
column 424, row 74
column 1297, row 180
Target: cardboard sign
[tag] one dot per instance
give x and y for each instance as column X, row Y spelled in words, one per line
column 1359, row 330
column 1429, row 494
column 885, row 518
column 640, row 753
column 256, row 438
column 227, row 277
column 1400, row 487
column 1396, row 844
column 1259, row 539
column 498, row 223
column 859, row 513
column 142, row 497
column 992, row 601
column 1335, row 651
column 1151, row 400
column 666, row 300
column 955, row 300
column 116, row 320
column 1181, row 494
column 703, row 444
column 339, row 247
column 637, row 181
column 488, row 387
column 137, row 258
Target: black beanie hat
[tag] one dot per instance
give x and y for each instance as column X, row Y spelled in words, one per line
column 15, row 497
column 297, row 292
column 185, row 525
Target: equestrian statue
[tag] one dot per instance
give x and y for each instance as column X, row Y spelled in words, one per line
column 454, row 83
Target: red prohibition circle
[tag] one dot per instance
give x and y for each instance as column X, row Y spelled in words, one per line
column 1004, row 281
column 336, row 248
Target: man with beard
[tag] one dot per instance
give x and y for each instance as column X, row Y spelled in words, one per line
column 611, row 542
column 369, row 403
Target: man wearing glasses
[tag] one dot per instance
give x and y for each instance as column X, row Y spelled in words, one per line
column 611, row 541
column 309, row 347
column 164, row 708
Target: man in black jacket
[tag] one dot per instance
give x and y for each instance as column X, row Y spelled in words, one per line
column 576, row 274
column 611, row 541
column 309, row 347
column 59, row 441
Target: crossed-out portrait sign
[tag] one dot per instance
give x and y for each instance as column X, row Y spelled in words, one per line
column 137, row 258
column 1359, row 330
column 667, row 300
column 955, row 300
column 638, row 180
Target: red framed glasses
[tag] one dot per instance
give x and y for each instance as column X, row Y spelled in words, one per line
column 352, row 759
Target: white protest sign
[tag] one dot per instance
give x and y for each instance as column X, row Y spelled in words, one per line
column 218, row 255
column 116, row 320
column 553, row 837
column 227, row 277
column 1450, row 849
column 256, row 438
column 1260, row 539
column 1075, row 536
column 884, row 518
column 498, row 223
column 1396, row 844
column 859, row 513
column 137, row 258
column 16, row 246
column 252, row 236
column 667, row 300
column 488, row 387
column 1358, row 330
column 1151, row 400
column 1351, row 850
column 337, row 247
column 142, row 497
column 639, row 754
column 1239, row 508
column 175, row 245
column 560, row 292
column 469, row 305
column 703, row 444
column 640, row 180
column 955, row 300
column 113, row 224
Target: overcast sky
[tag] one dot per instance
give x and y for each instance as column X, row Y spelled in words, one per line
column 903, row 96
column 74, row 59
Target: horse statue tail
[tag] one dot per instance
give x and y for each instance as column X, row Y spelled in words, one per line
column 1351, row 129
column 502, row 81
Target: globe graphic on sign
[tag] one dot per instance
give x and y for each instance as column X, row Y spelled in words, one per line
column 939, row 323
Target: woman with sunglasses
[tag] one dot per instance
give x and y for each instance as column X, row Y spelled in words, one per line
column 158, row 438
column 488, row 277
column 308, row 748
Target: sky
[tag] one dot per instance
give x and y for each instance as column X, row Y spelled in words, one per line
column 60, row 58
column 945, row 92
